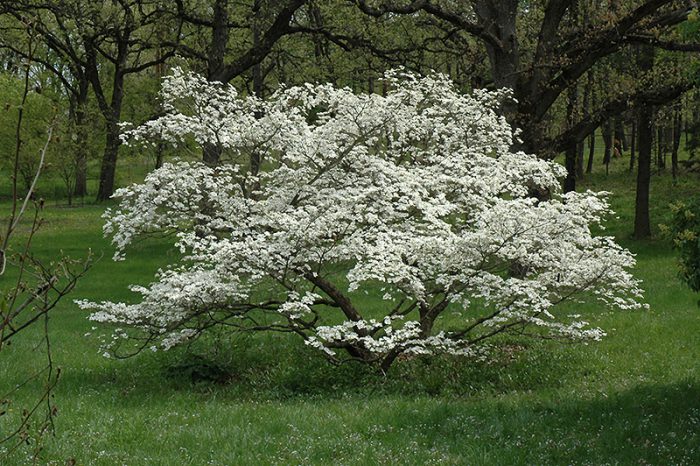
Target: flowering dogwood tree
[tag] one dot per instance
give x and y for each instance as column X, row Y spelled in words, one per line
column 413, row 202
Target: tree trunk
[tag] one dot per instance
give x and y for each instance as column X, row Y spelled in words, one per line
column 579, row 162
column 257, row 68
column 219, row 38
column 212, row 154
column 590, row 86
column 109, row 161
column 620, row 134
column 586, row 104
column 160, row 149
column 110, row 111
column 642, row 224
column 607, row 129
column 112, row 142
column 499, row 18
column 633, row 143
column 591, row 152
column 81, row 143
column 570, row 162
column 571, row 152
column 660, row 163
column 677, row 125
column 218, row 45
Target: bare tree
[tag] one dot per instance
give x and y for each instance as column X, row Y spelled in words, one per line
column 33, row 288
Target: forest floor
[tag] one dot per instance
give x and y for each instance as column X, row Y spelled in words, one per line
column 633, row 398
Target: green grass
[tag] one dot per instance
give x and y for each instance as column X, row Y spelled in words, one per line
column 633, row 398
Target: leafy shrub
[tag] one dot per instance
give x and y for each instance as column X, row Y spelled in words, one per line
column 684, row 230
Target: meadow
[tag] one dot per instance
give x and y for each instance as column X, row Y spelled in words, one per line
column 633, row 398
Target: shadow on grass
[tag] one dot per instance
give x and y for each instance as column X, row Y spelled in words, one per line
column 648, row 424
column 280, row 368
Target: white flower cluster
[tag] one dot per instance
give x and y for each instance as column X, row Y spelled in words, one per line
column 326, row 195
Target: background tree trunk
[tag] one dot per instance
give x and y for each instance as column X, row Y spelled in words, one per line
column 642, row 224
column 677, row 125
column 591, row 152
column 571, row 152
column 660, row 162
column 633, row 142
column 607, row 130
column 620, row 134
column 81, row 141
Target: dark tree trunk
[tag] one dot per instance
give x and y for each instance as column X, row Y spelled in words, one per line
column 160, row 149
column 571, row 152
column 109, row 160
column 112, row 141
column 590, row 86
column 322, row 53
column 570, row 162
column 258, row 78
column 660, row 162
column 633, row 143
column 81, row 143
column 579, row 162
column 211, row 153
column 111, row 111
column 620, row 134
column 591, row 152
column 581, row 169
column 160, row 72
column 500, row 19
column 219, row 39
column 642, row 224
column 677, row 125
column 608, row 140
column 668, row 139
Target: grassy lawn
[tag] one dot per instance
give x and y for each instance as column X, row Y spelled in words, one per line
column 633, row 398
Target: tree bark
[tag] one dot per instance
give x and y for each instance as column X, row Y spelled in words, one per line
column 590, row 86
column 112, row 115
column 608, row 140
column 660, row 162
column 642, row 224
column 81, row 142
column 620, row 134
column 591, row 152
column 580, row 170
column 571, row 153
column 633, row 143
column 677, row 125
column 109, row 158
column 219, row 39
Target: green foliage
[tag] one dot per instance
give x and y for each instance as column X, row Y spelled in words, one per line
column 39, row 113
column 684, row 230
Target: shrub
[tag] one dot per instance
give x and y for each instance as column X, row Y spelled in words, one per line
column 684, row 230
column 370, row 226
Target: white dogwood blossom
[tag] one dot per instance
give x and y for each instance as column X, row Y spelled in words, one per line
column 327, row 200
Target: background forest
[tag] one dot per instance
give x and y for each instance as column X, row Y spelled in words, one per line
column 609, row 89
